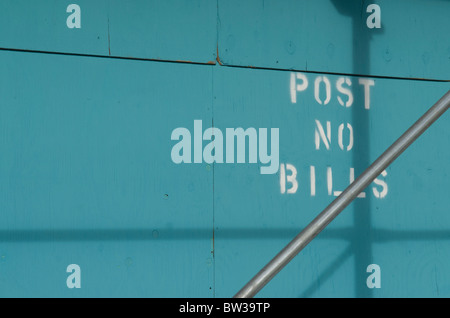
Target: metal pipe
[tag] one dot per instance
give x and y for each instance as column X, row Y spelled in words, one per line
column 343, row 200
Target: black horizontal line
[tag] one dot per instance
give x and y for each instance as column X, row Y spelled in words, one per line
column 210, row 63
column 337, row 73
column 107, row 56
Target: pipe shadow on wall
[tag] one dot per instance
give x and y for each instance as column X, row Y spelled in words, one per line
column 361, row 242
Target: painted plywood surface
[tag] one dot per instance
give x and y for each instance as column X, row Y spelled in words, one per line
column 404, row 209
column 163, row 30
column 159, row 177
column 86, row 177
column 333, row 36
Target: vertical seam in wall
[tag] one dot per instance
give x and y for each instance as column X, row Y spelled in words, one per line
column 213, row 164
column 109, row 38
column 213, row 191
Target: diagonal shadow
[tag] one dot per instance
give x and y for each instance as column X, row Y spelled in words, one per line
column 361, row 37
column 328, row 272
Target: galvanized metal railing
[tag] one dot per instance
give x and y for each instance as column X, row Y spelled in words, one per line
column 343, row 200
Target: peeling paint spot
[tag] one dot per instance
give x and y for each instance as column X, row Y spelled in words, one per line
column 290, row 47
column 128, row 261
column 387, row 55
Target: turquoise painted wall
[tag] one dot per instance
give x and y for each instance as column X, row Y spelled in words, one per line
column 87, row 175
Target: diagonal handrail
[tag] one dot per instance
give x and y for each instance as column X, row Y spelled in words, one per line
column 344, row 199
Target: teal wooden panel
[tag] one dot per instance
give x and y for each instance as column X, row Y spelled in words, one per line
column 42, row 25
column 401, row 223
column 166, row 30
column 86, row 168
column 332, row 36
column 86, row 178
column 178, row 30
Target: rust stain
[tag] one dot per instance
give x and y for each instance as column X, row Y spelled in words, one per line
column 211, row 63
column 218, row 58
